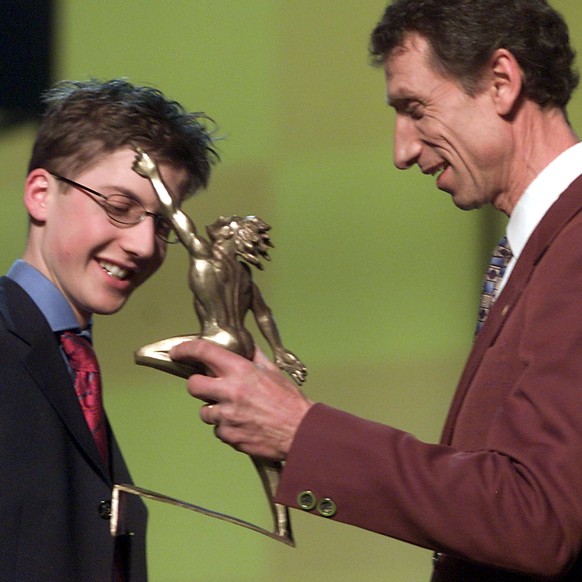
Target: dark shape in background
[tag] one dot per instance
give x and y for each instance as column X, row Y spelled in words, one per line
column 26, row 39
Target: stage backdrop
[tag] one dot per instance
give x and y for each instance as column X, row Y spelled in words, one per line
column 374, row 279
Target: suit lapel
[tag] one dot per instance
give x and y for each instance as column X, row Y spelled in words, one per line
column 568, row 205
column 45, row 364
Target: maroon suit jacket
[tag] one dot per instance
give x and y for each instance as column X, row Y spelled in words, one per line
column 501, row 496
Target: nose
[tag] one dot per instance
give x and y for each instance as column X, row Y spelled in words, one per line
column 140, row 239
column 407, row 143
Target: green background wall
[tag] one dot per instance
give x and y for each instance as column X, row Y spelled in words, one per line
column 374, row 279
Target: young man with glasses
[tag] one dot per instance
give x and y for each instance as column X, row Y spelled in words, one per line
column 95, row 234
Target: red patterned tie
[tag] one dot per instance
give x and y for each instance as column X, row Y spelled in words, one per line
column 88, row 387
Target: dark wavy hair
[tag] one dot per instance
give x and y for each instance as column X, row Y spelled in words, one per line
column 86, row 119
column 464, row 34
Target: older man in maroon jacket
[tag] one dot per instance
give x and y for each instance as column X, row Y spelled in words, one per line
column 479, row 89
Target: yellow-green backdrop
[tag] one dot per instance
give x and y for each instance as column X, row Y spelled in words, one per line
column 374, row 279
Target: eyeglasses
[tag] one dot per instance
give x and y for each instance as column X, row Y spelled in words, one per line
column 124, row 210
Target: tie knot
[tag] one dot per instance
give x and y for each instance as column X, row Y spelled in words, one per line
column 79, row 352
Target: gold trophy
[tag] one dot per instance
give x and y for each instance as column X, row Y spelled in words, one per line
column 224, row 292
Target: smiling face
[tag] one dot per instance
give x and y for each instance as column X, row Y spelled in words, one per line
column 94, row 263
column 459, row 138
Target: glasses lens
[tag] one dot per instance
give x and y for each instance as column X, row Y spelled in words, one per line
column 124, row 209
column 165, row 231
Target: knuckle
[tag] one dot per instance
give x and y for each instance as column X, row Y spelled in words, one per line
column 228, row 416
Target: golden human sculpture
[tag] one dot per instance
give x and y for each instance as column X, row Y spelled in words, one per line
column 224, row 292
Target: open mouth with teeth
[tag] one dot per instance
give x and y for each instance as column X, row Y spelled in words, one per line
column 115, row 270
column 438, row 171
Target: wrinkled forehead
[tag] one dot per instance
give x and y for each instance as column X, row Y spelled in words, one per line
column 412, row 72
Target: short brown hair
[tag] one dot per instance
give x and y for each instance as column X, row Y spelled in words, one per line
column 85, row 119
column 464, row 34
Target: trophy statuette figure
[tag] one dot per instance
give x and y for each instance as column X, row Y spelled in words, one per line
column 224, row 292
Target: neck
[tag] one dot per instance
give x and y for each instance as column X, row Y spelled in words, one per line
column 539, row 137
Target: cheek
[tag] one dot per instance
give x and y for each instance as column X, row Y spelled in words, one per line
column 438, row 132
column 62, row 239
column 67, row 222
column 74, row 239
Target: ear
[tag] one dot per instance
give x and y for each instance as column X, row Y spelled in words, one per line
column 506, row 81
column 36, row 193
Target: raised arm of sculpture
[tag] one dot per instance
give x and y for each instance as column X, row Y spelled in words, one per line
column 183, row 226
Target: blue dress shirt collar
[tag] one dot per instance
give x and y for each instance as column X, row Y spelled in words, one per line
column 46, row 295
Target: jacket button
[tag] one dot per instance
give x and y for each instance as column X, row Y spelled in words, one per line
column 327, row 507
column 104, row 509
column 306, row 500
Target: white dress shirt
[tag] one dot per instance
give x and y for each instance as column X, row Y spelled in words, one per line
column 538, row 198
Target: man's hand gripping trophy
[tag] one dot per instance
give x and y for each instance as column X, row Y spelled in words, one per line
column 224, row 292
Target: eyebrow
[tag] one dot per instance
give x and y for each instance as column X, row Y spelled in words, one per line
column 114, row 189
column 128, row 193
column 117, row 190
column 402, row 95
column 399, row 103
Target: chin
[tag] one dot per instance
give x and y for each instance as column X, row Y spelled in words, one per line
column 466, row 204
column 108, row 309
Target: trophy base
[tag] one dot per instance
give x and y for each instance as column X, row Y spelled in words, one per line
column 156, row 355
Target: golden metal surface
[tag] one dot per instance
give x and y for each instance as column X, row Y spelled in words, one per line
column 224, row 292
column 117, row 525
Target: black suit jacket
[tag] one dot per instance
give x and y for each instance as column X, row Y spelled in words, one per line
column 53, row 485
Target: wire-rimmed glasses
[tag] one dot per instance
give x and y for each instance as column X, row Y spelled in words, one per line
column 124, row 210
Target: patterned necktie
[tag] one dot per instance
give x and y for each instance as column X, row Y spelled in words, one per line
column 501, row 257
column 88, row 387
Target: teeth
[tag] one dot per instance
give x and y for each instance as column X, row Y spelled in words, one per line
column 114, row 270
column 438, row 171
